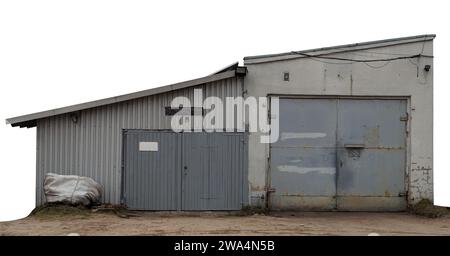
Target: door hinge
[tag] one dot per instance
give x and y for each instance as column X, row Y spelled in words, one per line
column 402, row 194
column 271, row 190
column 404, row 118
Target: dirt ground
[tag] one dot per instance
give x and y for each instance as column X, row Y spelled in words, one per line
column 148, row 223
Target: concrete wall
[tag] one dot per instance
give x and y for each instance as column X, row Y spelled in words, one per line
column 404, row 77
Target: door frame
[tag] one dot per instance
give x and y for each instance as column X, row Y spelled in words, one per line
column 356, row 97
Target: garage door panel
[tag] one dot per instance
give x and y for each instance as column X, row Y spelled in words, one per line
column 373, row 173
column 302, row 203
column 303, row 160
column 374, row 123
column 371, row 203
column 371, row 153
column 307, row 123
column 304, row 171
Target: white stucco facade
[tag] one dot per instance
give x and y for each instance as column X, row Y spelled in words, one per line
column 327, row 77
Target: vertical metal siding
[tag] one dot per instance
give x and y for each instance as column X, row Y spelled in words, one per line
column 152, row 179
column 93, row 146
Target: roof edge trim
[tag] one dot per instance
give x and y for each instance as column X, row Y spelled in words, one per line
column 248, row 60
column 28, row 120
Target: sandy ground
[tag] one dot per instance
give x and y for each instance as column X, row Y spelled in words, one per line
column 148, row 223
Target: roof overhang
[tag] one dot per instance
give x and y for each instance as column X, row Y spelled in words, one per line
column 30, row 120
column 337, row 49
column 232, row 66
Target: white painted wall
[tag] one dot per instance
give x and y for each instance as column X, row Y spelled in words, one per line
column 396, row 78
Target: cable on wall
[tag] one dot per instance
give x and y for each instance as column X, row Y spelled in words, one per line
column 366, row 61
column 359, row 60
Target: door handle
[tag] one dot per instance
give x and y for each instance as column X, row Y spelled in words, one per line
column 354, row 146
column 185, row 167
column 340, row 163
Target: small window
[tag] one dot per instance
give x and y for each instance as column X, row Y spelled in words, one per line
column 286, row 76
column 169, row 111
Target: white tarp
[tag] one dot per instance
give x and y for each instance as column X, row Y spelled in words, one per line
column 71, row 189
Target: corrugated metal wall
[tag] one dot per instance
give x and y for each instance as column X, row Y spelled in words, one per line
column 152, row 180
column 93, row 146
column 216, row 175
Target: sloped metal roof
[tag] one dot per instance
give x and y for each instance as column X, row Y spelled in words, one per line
column 226, row 72
column 29, row 120
column 232, row 66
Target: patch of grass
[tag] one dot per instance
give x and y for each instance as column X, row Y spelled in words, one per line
column 119, row 210
column 426, row 208
column 56, row 210
column 60, row 210
column 249, row 210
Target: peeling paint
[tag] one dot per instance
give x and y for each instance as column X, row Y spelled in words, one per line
column 305, row 170
column 302, row 135
column 421, row 179
column 372, row 135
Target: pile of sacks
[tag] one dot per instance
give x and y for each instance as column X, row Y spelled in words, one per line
column 72, row 189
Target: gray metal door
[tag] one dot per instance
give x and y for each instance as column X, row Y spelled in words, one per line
column 214, row 171
column 345, row 154
column 152, row 176
column 303, row 160
column 185, row 171
column 371, row 155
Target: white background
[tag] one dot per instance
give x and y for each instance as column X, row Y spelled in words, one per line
column 57, row 53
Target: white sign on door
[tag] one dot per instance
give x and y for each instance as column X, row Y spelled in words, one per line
column 148, row 146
